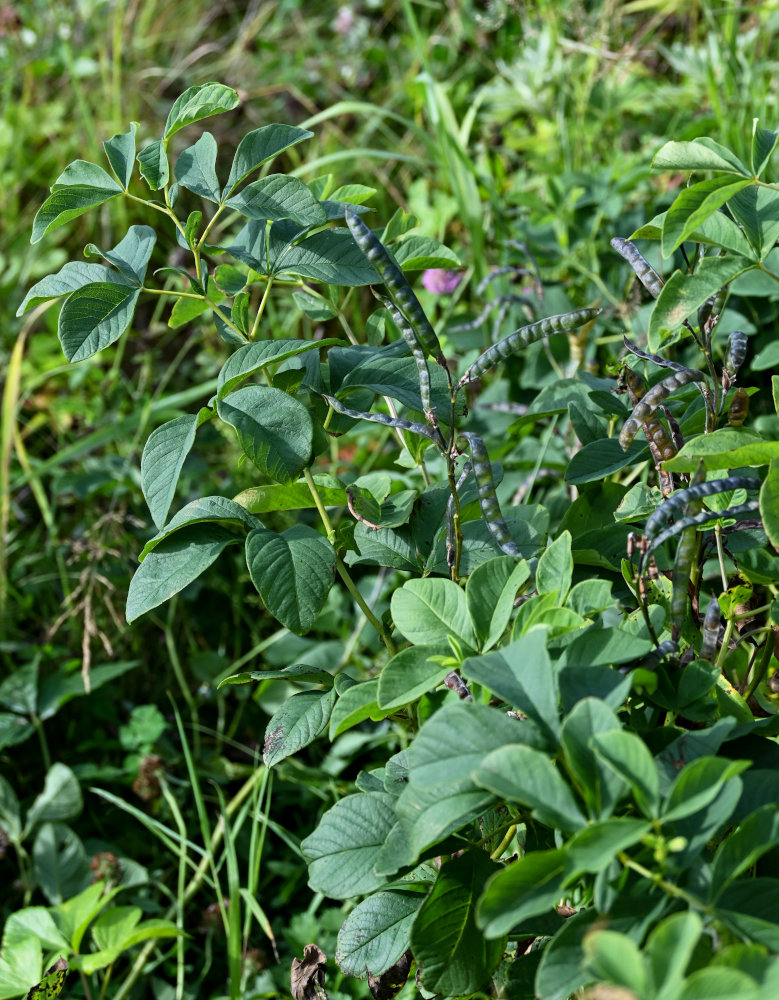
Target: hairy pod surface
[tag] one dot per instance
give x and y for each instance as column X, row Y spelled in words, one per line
column 396, row 284
column 488, row 500
column 646, row 407
column 737, row 351
column 643, row 270
column 526, row 335
column 670, row 507
column 382, row 418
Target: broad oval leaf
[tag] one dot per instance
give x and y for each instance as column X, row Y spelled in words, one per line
column 153, row 163
column 330, row 256
column 429, row 611
column 131, row 255
column 296, row 724
column 454, row 958
column 376, row 933
column 161, row 462
column 529, row 886
column 197, row 103
column 259, row 146
column 95, row 316
column 195, row 168
column 409, row 675
column 80, row 186
column 293, row 572
column 416, row 253
column 120, row 152
column 274, row 429
column 693, row 205
column 700, row 154
column 174, row 563
column 490, row 593
column 252, row 358
column 342, row 849
column 205, row 509
column 279, row 197
column 75, row 274
column 59, row 801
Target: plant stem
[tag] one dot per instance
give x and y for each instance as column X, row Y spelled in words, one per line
column 261, row 310
column 496, row 854
column 668, row 887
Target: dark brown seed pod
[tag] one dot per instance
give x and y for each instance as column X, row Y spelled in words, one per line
column 737, row 352
column 739, row 408
column 644, row 271
column 488, row 501
column 526, row 335
column 646, row 407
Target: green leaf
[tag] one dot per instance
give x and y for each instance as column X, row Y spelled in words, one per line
column 204, row 509
column 629, row 757
column 279, row 197
column 427, row 815
column 19, row 966
column 597, row 845
column 524, row 888
column 769, row 502
column 274, row 429
column 298, row 722
column 163, row 456
column 522, row 674
column 490, row 593
column 763, row 145
column 599, row 784
column 599, row 459
column 521, row 774
column 254, row 357
column 95, row 316
column 700, row 154
column 384, row 547
column 429, row 611
column 13, row 730
column 388, row 371
column 757, row 834
column 195, row 168
column 259, row 146
column 60, row 863
column 197, row 103
column 19, row 691
column 356, row 704
column 330, row 256
column 153, row 161
column 10, row 812
column 617, row 959
column 698, row 784
column 79, row 187
column 555, row 568
column 296, row 496
column 693, row 205
column 73, row 275
column 454, row 958
column 409, row 675
column 599, row 646
column 416, row 253
column 120, row 151
column 293, row 572
column 718, row 983
column 726, row 448
column 757, row 210
column 174, row 563
column 376, row 933
column 131, row 255
column 59, row 801
column 296, row 672
column 670, row 948
column 560, row 972
column 342, row 849
column 751, row 906
column 683, row 294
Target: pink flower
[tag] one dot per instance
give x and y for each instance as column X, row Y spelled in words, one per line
column 440, row 282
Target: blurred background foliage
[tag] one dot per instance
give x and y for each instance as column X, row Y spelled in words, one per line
column 518, row 133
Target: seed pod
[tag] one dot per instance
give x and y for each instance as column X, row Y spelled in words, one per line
column 711, row 626
column 382, row 418
column 395, row 282
column 698, row 491
column 739, row 408
column 737, row 352
column 644, row 271
column 646, row 407
column 526, row 335
column 634, row 383
column 685, row 556
column 488, row 501
column 711, row 310
column 656, row 359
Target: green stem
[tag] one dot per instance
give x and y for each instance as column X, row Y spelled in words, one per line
column 210, row 226
column 261, row 310
column 175, row 662
column 497, row 853
column 762, row 667
column 668, row 887
column 721, row 555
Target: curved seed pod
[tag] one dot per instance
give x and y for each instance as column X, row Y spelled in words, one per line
column 634, row 383
column 699, row 519
column 644, row 271
column 676, row 434
column 683, row 564
column 382, row 418
column 655, row 656
column 653, row 398
column 661, row 446
column 675, row 503
column 488, row 501
column 656, row 359
column 526, row 335
column 418, row 354
column 711, row 624
column 737, row 352
column 711, row 310
column 739, row 408
column 396, row 284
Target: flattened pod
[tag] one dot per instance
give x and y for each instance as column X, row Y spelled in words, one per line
column 644, row 271
column 711, row 625
column 737, row 351
column 656, row 359
column 698, row 491
column 646, row 407
column 685, row 555
column 395, row 282
column 382, row 418
column 526, row 335
column 488, row 501
column 418, row 354
column 739, row 408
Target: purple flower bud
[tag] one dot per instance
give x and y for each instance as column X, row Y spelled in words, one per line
column 440, row 282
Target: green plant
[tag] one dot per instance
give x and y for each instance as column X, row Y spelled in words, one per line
column 562, row 747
